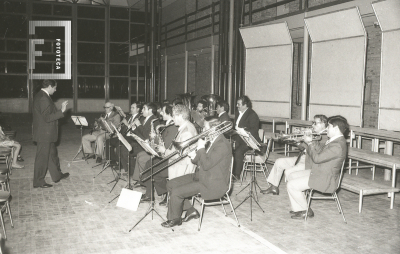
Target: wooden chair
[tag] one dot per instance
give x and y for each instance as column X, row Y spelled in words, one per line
column 333, row 197
column 224, row 200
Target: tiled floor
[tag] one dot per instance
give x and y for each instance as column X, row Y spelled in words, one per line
column 75, row 217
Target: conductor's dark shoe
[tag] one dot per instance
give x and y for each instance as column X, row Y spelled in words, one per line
column 90, row 156
column 172, row 223
column 271, row 190
column 63, row 176
column 301, row 215
column 145, row 199
column 98, row 160
column 46, row 185
column 164, row 201
column 20, row 159
column 192, row 215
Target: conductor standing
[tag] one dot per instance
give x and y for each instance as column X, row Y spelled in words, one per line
column 45, row 134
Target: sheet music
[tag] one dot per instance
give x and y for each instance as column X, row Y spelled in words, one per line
column 129, row 199
column 79, row 120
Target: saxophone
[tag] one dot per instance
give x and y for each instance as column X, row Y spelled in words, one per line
column 153, row 133
column 158, row 132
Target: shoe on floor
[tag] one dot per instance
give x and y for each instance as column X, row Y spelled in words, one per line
column 271, row 190
column 193, row 215
column 172, row 223
column 63, row 176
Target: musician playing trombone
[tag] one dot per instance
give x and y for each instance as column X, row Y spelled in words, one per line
column 211, row 178
column 186, row 130
column 99, row 135
column 288, row 166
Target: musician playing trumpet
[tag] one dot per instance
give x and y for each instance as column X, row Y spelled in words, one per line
column 288, row 166
column 99, row 135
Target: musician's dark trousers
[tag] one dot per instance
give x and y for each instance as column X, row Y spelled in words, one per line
column 180, row 189
column 160, row 179
column 240, row 148
column 113, row 143
column 125, row 155
column 46, row 158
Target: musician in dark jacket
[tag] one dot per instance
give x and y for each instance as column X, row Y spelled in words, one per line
column 168, row 134
column 222, row 111
column 247, row 119
column 143, row 130
column 211, row 178
column 45, row 134
column 325, row 168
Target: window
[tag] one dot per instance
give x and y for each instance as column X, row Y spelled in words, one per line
column 13, row 86
column 91, row 12
column 91, row 87
column 118, row 70
column 88, row 52
column 19, row 46
column 119, row 88
column 62, row 10
column 41, row 9
column 91, row 69
column 119, row 13
column 15, row 67
column 91, row 30
column 119, row 53
column 119, row 31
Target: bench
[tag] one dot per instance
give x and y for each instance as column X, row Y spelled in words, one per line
column 364, row 186
column 367, row 187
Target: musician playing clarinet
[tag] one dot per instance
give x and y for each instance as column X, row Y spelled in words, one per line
column 99, row 135
column 288, row 166
column 211, row 178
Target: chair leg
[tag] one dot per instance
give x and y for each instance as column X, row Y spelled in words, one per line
column 335, row 197
column 233, row 210
column 9, row 213
column 201, row 215
column 2, row 223
column 340, row 207
column 360, row 202
column 223, row 207
column 308, row 203
column 242, row 174
column 264, row 168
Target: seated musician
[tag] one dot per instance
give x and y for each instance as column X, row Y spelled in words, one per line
column 168, row 133
column 288, row 166
column 247, row 119
column 5, row 141
column 324, row 171
column 199, row 114
column 180, row 114
column 127, row 123
column 99, row 135
column 222, row 111
column 211, row 178
column 142, row 130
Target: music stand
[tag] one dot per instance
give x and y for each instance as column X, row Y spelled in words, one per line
column 254, row 145
column 146, row 146
column 128, row 146
column 80, row 121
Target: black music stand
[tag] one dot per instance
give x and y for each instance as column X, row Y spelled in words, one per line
column 117, row 177
column 254, row 145
column 80, row 121
column 146, row 146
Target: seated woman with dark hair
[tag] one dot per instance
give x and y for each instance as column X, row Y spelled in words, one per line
column 5, row 141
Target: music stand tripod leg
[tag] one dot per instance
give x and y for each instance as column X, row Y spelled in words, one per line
column 128, row 186
column 151, row 208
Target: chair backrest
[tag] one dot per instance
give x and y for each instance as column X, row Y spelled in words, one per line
column 230, row 177
column 341, row 175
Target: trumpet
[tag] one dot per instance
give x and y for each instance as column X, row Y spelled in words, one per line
column 298, row 137
column 187, row 146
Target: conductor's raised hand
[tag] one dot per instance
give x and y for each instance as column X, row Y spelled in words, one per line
column 64, row 106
